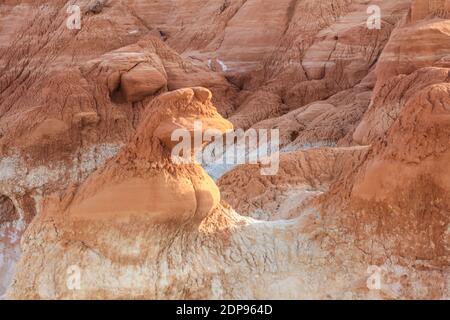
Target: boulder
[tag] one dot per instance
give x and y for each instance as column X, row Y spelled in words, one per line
column 141, row 81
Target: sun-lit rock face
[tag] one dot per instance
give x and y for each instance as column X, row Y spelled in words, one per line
column 414, row 46
column 405, row 175
column 93, row 206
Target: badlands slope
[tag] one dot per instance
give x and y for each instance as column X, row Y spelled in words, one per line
column 87, row 183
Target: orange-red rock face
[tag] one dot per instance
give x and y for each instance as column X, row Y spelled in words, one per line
column 86, row 123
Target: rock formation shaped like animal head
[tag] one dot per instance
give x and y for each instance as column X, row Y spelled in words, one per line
column 143, row 180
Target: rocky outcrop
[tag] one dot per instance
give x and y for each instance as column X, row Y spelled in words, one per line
column 303, row 177
column 184, row 244
column 412, row 187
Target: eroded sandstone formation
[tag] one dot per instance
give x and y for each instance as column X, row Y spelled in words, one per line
column 88, row 187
